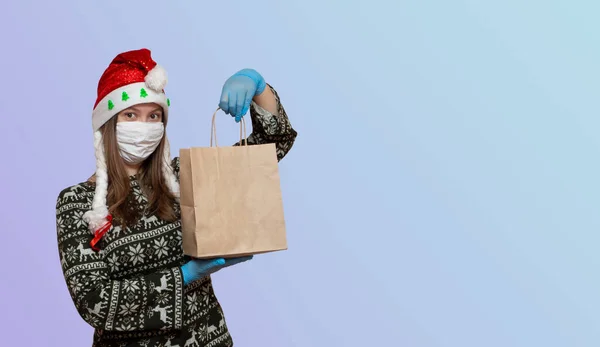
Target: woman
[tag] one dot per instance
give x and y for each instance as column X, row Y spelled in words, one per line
column 119, row 232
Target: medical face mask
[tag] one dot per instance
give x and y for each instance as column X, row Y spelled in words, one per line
column 137, row 140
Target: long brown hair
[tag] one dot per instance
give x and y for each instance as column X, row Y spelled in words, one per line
column 122, row 204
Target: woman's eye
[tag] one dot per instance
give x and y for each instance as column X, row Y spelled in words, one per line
column 155, row 116
column 129, row 115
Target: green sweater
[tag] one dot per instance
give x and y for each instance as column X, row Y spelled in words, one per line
column 132, row 291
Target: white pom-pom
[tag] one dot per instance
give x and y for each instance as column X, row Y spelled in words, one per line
column 156, row 79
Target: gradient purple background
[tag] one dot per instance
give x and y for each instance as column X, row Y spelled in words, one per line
column 443, row 190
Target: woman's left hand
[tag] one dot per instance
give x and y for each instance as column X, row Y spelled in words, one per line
column 239, row 90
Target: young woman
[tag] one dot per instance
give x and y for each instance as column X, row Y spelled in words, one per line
column 119, row 232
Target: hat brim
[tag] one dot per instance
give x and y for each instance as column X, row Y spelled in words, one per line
column 125, row 97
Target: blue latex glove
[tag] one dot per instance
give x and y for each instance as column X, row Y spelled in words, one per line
column 238, row 92
column 195, row 269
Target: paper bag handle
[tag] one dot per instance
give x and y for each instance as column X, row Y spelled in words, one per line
column 213, row 130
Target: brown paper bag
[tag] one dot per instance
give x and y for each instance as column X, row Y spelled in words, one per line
column 231, row 202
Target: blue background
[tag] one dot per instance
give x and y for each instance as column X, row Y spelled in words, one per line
column 442, row 191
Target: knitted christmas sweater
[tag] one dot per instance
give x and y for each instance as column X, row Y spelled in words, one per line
column 131, row 291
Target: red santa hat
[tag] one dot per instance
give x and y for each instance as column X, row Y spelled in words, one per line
column 131, row 78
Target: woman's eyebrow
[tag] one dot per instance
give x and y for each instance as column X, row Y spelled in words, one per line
column 132, row 108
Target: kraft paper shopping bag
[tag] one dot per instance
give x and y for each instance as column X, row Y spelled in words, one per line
column 231, row 201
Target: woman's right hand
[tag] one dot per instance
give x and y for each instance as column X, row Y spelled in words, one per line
column 196, row 269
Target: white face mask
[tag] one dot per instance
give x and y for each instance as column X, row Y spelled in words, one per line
column 137, row 140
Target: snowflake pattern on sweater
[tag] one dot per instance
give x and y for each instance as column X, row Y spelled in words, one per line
column 131, row 291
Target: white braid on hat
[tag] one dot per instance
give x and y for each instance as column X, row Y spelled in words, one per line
column 168, row 173
column 96, row 217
